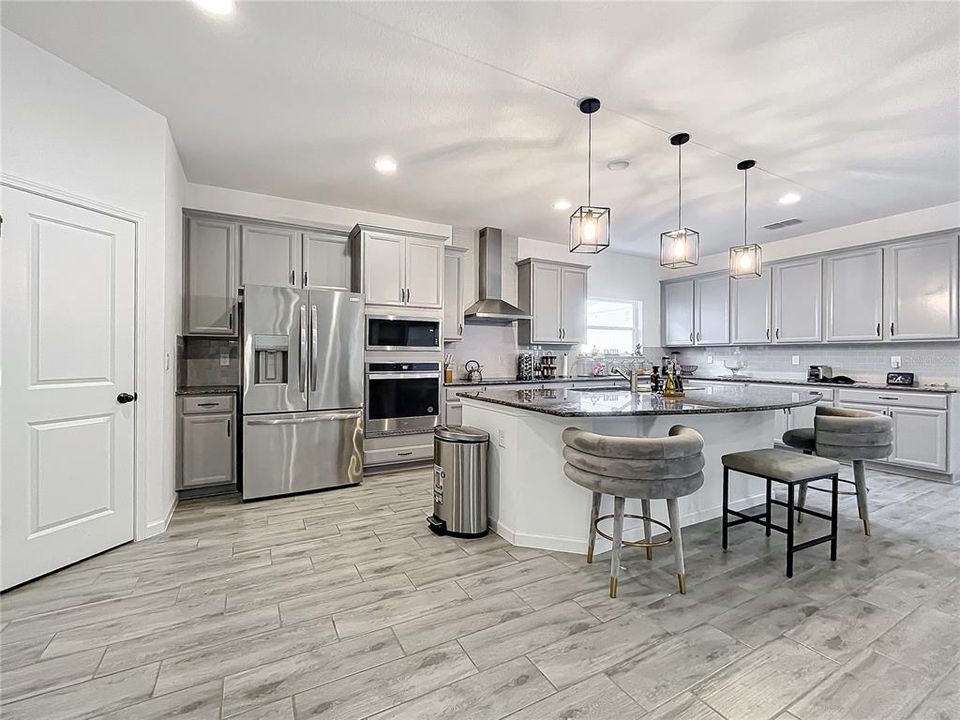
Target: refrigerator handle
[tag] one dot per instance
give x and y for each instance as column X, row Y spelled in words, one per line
column 303, row 347
column 314, row 354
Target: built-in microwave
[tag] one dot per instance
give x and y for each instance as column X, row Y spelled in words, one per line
column 392, row 332
column 402, row 397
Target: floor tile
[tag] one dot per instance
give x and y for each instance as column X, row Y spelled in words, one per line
column 459, row 567
column 596, row 698
column 308, row 582
column 942, row 703
column 46, row 675
column 765, row 617
column 200, row 702
column 279, row 710
column 511, row 576
column 841, row 630
column 408, row 606
column 685, row 707
column 927, row 640
column 326, row 602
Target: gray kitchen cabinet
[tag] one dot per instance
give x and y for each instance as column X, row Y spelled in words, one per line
column 326, row 261
column 921, row 289
column 211, row 275
column 853, row 289
column 453, row 305
column 206, row 442
column 919, row 437
column 677, row 313
column 555, row 296
column 750, row 311
column 397, row 269
column 797, row 307
column 270, row 255
column 711, row 295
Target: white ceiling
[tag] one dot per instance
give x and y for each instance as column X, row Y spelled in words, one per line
column 854, row 105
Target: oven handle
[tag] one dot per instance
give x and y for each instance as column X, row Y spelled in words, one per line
column 403, row 376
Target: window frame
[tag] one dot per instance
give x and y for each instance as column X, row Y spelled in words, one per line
column 637, row 327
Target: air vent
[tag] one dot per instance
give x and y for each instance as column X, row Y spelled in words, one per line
column 783, row 224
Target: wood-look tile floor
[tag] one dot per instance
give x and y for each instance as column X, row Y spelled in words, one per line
column 342, row 605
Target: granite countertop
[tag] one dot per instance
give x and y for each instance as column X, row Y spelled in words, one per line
column 207, row 389
column 513, row 381
column 613, row 403
column 855, row 386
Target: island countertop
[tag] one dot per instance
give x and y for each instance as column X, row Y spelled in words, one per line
column 598, row 402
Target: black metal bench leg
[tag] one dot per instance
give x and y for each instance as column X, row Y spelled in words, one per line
column 834, row 518
column 726, row 496
column 769, row 489
column 790, row 520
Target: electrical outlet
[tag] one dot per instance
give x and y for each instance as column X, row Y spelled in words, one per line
column 795, row 359
column 895, row 361
column 501, row 438
column 224, row 359
column 709, row 359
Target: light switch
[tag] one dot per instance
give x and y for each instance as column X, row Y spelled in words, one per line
column 895, row 361
column 709, row 359
column 166, row 362
column 501, row 438
column 795, row 359
column 224, row 359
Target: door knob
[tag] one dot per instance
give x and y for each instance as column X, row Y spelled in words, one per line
column 124, row 398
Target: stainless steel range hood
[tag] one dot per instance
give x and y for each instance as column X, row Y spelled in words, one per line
column 491, row 308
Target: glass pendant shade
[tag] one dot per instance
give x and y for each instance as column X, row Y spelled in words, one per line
column 679, row 248
column 745, row 261
column 590, row 229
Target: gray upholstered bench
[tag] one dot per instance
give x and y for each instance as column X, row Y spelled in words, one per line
column 793, row 470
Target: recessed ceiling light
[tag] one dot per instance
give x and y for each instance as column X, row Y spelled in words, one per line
column 561, row 205
column 618, row 165
column 385, row 165
column 790, row 198
column 216, row 7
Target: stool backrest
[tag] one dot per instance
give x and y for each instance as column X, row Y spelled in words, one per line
column 848, row 434
column 679, row 454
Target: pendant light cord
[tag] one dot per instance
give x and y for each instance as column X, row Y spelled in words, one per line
column 745, row 172
column 679, row 187
column 589, row 156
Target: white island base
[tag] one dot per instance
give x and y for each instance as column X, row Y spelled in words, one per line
column 531, row 503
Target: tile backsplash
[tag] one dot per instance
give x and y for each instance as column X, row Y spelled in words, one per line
column 933, row 363
column 199, row 361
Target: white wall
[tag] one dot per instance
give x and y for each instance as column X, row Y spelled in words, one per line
column 63, row 129
column 891, row 227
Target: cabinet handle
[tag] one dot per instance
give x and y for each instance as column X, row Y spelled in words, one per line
column 887, row 397
column 778, row 333
column 293, row 277
column 213, row 404
column 228, row 428
column 230, row 320
column 878, row 329
column 768, row 333
column 891, row 329
column 460, row 328
column 691, row 337
column 404, row 454
column 305, row 278
column 698, row 336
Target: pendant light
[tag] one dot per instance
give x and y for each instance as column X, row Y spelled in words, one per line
column 745, row 259
column 589, row 225
column 681, row 247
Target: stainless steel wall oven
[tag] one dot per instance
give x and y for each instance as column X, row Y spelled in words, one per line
column 402, row 397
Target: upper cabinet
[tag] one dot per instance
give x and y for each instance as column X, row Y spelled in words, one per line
column 750, row 311
column 454, row 259
column 676, row 313
column 555, row 296
column 326, row 261
column 921, row 289
column 211, row 274
column 853, row 291
column 711, row 295
column 398, row 269
column 797, row 307
column 270, row 255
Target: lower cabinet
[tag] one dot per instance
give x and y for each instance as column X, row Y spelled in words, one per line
column 207, row 445
column 396, row 449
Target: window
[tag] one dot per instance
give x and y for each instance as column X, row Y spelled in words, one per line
column 613, row 326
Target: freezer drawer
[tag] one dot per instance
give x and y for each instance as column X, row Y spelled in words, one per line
column 297, row 452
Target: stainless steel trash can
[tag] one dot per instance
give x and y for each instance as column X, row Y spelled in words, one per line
column 459, row 481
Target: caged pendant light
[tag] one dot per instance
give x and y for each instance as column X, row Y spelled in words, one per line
column 745, row 260
column 589, row 225
column 681, row 247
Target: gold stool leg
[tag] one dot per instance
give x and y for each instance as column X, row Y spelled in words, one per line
column 647, row 536
column 673, row 509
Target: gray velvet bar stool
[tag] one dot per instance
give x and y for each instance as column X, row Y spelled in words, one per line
column 663, row 468
column 844, row 434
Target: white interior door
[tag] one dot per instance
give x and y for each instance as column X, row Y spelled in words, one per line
column 68, row 352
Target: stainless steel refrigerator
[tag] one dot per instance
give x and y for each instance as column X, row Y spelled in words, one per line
column 302, row 390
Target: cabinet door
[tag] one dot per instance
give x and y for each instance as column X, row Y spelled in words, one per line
column 453, row 413
column 424, row 273
column 546, row 303
column 921, row 289
column 211, row 268
column 384, row 263
column 712, row 309
column 573, row 305
column 270, row 256
column 677, row 312
column 750, row 311
column 796, row 301
column 452, row 297
column 919, row 438
column 326, row 261
column 207, row 450
column 854, row 296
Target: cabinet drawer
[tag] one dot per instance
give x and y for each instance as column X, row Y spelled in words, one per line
column 196, row 404
column 408, row 453
column 895, row 398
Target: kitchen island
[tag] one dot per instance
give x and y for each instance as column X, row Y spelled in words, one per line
column 531, row 503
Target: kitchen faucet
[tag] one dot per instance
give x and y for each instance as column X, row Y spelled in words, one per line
column 633, row 378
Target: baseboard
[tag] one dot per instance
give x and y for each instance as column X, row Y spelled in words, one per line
column 157, row 527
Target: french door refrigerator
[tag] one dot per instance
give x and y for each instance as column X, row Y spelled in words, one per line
column 302, row 390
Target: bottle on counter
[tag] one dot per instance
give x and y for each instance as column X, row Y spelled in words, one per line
column 655, row 379
column 669, row 386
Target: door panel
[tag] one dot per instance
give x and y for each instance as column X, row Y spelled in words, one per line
column 677, row 313
column 750, row 311
column 424, row 274
column 68, row 328
column 336, row 350
column 208, row 450
column 212, row 272
column 453, row 297
column 383, row 268
column 326, row 261
column 573, row 299
column 922, row 289
column 546, row 303
column 712, row 297
column 854, row 285
column 269, row 256
column 919, row 437
column 796, row 301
